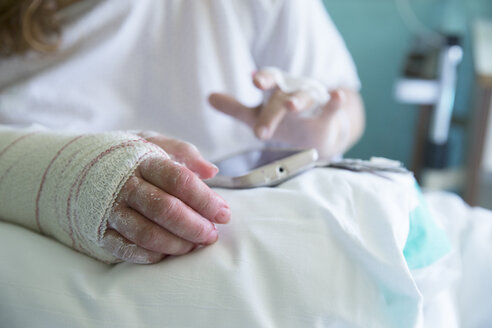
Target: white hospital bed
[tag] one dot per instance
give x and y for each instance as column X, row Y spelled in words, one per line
column 321, row 250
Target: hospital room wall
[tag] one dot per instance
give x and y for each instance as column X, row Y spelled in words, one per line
column 378, row 38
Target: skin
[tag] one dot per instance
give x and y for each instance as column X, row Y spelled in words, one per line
column 166, row 209
column 278, row 118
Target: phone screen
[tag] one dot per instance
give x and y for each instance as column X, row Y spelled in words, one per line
column 243, row 163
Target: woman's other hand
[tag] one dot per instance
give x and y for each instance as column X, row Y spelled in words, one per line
column 165, row 208
column 281, row 118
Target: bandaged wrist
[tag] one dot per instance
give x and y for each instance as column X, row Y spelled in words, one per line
column 65, row 185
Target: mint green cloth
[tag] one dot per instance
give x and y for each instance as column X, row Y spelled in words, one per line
column 426, row 242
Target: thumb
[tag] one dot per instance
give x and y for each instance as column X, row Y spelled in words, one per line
column 229, row 105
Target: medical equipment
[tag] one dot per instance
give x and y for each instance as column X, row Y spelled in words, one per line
column 418, row 87
column 431, row 73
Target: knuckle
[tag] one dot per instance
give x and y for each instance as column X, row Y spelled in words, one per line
column 185, row 148
column 170, row 210
column 131, row 253
column 182, row 248
column 146, row 237
column 149, row 135
column 126, row 252
column 188, row 248
column 155, row 203
column 175, row 247
column 147, row 164
column 154, row 137
column 114, row 217
column 200, row 233
column 128, row 188
column 183, row 178
column 108, row 242
column 207, row 205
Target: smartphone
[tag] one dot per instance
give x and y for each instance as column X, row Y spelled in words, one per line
column 262, row 167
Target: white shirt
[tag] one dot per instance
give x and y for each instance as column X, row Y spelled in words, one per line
column 150, row 65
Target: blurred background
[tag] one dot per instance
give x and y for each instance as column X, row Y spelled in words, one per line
column 383, row 37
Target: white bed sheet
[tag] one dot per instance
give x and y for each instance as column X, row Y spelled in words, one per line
column 322, row 250
column 467, row 301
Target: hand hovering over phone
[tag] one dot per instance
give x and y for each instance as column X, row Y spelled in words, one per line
column 165, row 208
column 297, row 118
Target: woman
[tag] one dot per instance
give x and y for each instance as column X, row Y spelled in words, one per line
column 152, row 66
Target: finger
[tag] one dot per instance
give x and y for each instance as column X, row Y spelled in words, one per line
column 123, row 249
column 171, row 214
column 187, row 154
column 337, row 100
column 264, row 80
column 271, row 115
column 146, row 234
column 181, row 183
column 299, row 101
column 337, row 97
column 230, row 106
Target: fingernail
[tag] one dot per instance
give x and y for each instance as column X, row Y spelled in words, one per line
column 262, row 133
column 212, row 237
column 223, row 216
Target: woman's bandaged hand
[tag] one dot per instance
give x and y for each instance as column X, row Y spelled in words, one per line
column 114, row 196
column 164, row 208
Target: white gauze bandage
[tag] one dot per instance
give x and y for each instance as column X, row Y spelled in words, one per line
column 64, row 185
column 290, row 84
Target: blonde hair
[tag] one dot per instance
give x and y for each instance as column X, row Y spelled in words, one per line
column 30, row 25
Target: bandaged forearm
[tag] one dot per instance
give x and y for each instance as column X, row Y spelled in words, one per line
column 64, row 185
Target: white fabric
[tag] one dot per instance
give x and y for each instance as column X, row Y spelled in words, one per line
column 325, row 252
column 150, row 65
column 459, row 295
column 290, row 84
column 64, row 185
